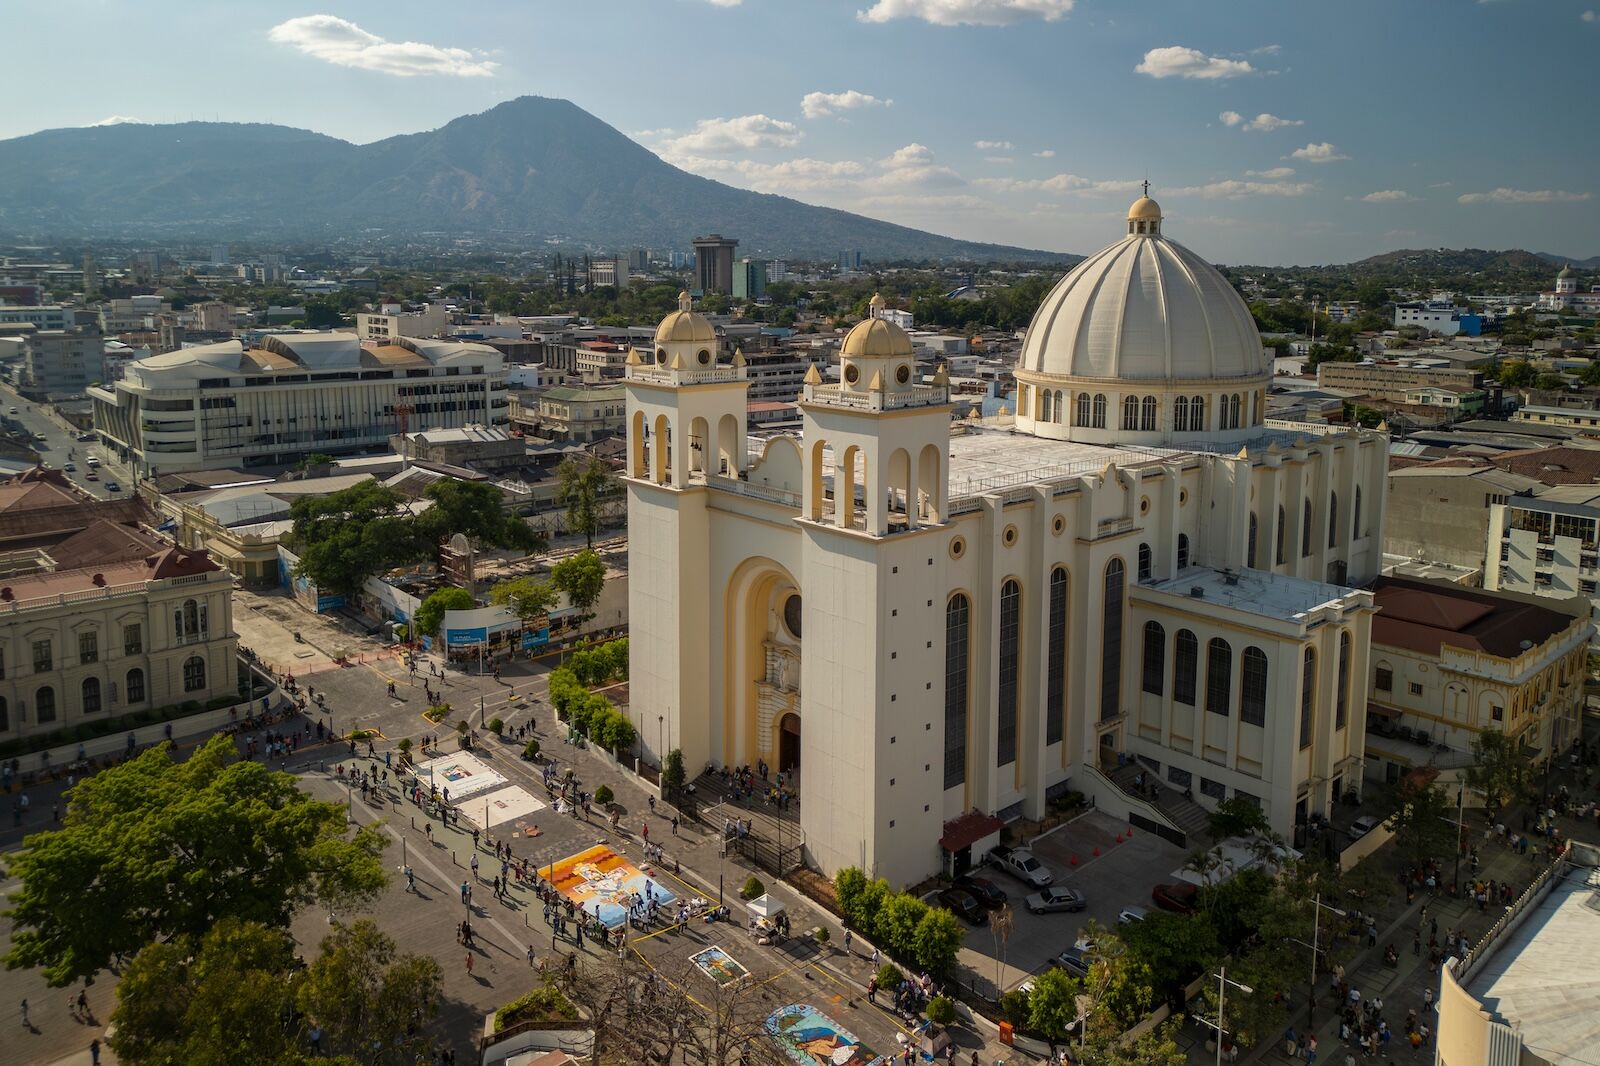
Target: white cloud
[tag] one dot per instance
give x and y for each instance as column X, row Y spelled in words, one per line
column 1322, row 152
column 999, row 159
column 1504, row 195
column 1060, row 183
column 343, row 43
column 1590, row 16
column 913, row 154
column 1233, row 189
column 993, row 146
column 913, row 164
column 789, row 176
column 1231, row 118
column 1045, row 153
column 820, row 104
column 1267, row 50
column 726, row 136
column 1273, row 175
column 1175, row 61
column 966, row 12
column 724, row 3
column 117, row 120
column 1388, row 196
column 664, row 131
column 1265, row 123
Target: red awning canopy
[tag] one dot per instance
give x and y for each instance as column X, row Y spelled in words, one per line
column 968, row 829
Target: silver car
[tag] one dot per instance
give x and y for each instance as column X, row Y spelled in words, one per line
column 1055, row 898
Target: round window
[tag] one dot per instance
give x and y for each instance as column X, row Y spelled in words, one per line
column 661, row 355
column 1009, row 536
column 791, row 615
column 1144, row 505
column 958, row 548
column 852, row 374
column 1183, row 497
column 1059, row 525
column 704, row 357
column 902, row 374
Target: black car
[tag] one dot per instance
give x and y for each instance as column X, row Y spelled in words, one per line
column 964, row 904
column 1074, row 961
column 987, row 892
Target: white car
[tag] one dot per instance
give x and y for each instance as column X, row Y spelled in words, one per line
column 1131, row 914
column 1364, row 825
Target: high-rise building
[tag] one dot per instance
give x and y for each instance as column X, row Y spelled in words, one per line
column 608, row 272
column 64, row 362
column 849, row 259
column 777, row 270
column 639, row 260
column 750, row 279
column 713, row 263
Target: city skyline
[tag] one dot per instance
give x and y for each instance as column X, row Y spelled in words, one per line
column 1270, row 136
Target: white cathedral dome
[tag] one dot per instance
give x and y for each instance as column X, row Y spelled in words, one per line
column 1144, row 319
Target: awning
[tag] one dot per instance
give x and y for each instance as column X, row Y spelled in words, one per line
column 764, row 907
column 968, row 829
column 1381, row 711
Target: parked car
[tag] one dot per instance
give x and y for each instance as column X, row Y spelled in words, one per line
column 1021, row 864
column 1364, row 825
column 1131, row 914
column 1178, row 896
column 965, row 905
column 1054, row 899
column 112, row 486
column 983, row 890
column 91, row 476
column 71, row 468
column 1073, row 960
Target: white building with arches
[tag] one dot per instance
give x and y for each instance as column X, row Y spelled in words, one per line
column 924, row 619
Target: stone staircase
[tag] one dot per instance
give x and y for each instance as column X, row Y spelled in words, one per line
column 1187, row 815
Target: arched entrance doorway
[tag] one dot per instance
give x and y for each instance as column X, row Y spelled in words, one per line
column 765, row 615
column 789, row 743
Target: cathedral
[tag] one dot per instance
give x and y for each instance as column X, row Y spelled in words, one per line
column 926, row 619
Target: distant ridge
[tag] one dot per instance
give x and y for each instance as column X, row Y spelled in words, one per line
column 529, row 169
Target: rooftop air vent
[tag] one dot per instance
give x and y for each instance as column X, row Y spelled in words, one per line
column 1197, row 592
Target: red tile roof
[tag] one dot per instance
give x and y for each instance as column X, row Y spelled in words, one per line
column 1423, row 616
column 967, row 829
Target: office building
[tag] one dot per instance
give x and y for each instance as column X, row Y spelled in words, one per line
column 288, row 396
column 749, row 279
column 930, row 626
column 713, row 263
column 1391, row 379
column 579, row 414
column 429, row 320
column 1546, row 544
column 49, row 316
column 608, row 272
column 61, row 362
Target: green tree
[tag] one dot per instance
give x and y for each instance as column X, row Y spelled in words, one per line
column 1550, row 382
column 582, row 491
column 476, row 509
column 1237, row 817
column 582, row 577
column 370, row 1000
column 1158, row 1047
column 216, row 1000
column 527, row 597
column 897, row 922
column 155, row 849
column 430, row 613
column 1517, row 373
column 936, row 941
column 1500, row 769
column 1053, row 1005
column 347, row 536
column 672, row 776
column 1420, row 817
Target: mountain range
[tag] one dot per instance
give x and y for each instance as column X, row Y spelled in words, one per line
column 530, row 169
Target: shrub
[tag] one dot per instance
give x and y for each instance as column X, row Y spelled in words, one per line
column 461, row 727
column 752, row 888
column 530, row 750
column 496, row 726
column 941, row 1011
column 889, row 977
column 544, row 1001
column 437, row 713
column 822, row 935
column 404, row 745
column 1015, row 1006
column 603, row 794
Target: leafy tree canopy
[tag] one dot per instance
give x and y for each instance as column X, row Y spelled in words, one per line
column 430, row 613
column 476, row 509
column 582, row 491
column 346, row 536
column 581, row 577
column 527, row 597
column 155, row 849
column 1500, row 769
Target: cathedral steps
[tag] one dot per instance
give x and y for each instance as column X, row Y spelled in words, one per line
column 1186, row 815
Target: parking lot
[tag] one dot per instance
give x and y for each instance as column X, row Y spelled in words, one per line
column 1121, row 875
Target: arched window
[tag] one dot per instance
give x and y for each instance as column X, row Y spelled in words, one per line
column 1046, row 412
column 1341, row 699
column 1234, row 407
column 194, row 674
column 1083, row 418
column 1283, row 525
column 1180, row 413
column 5, row 716
column 1219, row 676
column 1308, row 696
column 1253, row 687
column 1305, row 531
column 1061, row 408
column 1155, row 658
column 1250, row 544
column 91, row 695
column 1111, row 641
column 1183, row 550
column 1185, row 666
column 1144, row 562
column 1147, row 420
column 1357, row 515
column 1197, row 413
column 1010, row 656
column 1099, row 410
column 1333, row 519
column 957, row 614
column 135, row 686
column 1130, row 412
column 1056, row 680
column 44, row 704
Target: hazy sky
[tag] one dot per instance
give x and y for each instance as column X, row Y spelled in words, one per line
column 1272, row 131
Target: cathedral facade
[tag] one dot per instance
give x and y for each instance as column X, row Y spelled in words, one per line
column 923, row 619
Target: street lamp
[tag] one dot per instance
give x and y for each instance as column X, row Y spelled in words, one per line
column 1316, row 929
column 1222, row 997
column 661, row 744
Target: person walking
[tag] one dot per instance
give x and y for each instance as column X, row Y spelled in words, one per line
column 94, row 1053
column 25, row 1023
column 469, row 964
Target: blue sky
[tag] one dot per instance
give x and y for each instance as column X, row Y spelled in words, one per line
column 1272, row 131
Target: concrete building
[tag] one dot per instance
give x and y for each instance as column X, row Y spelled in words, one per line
column 52, row 316
column 1391, row 379
column 428, row 321
column 608, row 272
column 599, row 362
column 1450, row 662
column 1439, row 317
column 1526, row 995
column 228, row 405
column 1577, row 418
column 99, row 618
column 1567, row 297
column 63, row 362
column 134, row 314
column 1439, row 512
column 922, row 622
column 1546, row 544
column 713, row 263
column 749, row 279
column 574, row 414
column 485, row 448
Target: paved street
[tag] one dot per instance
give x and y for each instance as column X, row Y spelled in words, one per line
column 61, row 448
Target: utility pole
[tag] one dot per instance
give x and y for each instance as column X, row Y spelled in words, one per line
column 1222, row 996
column 1316, row 929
